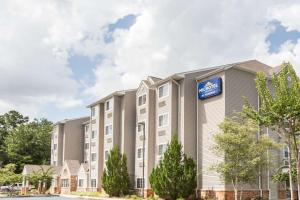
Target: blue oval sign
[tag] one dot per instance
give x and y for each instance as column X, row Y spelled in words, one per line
column 210, row 88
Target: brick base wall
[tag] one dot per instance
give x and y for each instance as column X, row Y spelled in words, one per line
column 73, row 183
column 24, row 190
column 283, row 194
column 229, row 195
column 55, row 190
column 147, row 192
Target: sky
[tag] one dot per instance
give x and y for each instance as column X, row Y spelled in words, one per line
column 58, row 56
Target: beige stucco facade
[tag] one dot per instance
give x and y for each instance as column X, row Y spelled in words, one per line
column 145, row 132
column 66, row 135
column 238, row 82
column 113, row 118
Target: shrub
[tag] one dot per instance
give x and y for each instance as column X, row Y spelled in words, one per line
column 175, row 176
column 115, row 177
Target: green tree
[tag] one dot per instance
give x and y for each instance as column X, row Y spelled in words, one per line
column 243, row 151
column 29, row 144
column 41, row 178
column 280, row 110
column 283, row 177
column 8, row 175
column 115, row 180
column 8, row 122
column 175, row 176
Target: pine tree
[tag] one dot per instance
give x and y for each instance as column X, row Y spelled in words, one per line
column 115, row 177
column 175, row 176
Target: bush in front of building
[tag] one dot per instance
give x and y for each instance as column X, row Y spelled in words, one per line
column 175, row 176
column 115, row 177
column 41, row 179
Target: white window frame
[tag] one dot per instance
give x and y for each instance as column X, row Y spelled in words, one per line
column 138, row 124
column 141, row 96
column 106, row 158
column 86, row 145
column 92, row 180
column 93, row 111
column 137, row 153
column 82, row 183
column 166, row 146
column 92, row 160
column 65, row 183
column 95, row 135
column 168, row 91
column 109, row 101
column 112, row 130
column 143, row 182
column 168, row 119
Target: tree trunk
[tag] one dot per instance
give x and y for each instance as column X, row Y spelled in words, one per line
column 298, row 175
column 290, row 174
column 241, row 194
column 234, row 185
column 235, row 194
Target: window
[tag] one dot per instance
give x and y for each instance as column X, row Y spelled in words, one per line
column 93, row 112
column 163, row 90
column 140, row 127
column 86, row 128
column 94, row 156
column 64, row 182
column 54, row 163
column 161, row 149
column 80, row 182
column 108, row 129
column 140, row 153
column 86, row 145
column 53, row 183
column 54, row 146
column 106, row 155
column 142, row 99
column 285, row 152
column 93, row 134
column 107, row 105
column 139, row 183
column 93, row 182
column 285, row 155
column 163, row 120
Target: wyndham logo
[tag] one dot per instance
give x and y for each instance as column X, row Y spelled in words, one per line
column 209, row 88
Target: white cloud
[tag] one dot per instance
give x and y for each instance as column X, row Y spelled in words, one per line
column 174, row 36
column 36, row 38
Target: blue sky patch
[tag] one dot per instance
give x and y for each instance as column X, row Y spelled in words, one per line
column 123, row 23
column 279, row 36
column 82, row 67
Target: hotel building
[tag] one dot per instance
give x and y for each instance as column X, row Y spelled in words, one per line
column 188, row 105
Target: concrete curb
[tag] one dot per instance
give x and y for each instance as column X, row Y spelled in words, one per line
column 88, row 197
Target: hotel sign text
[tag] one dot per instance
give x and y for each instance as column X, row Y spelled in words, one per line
column 210, row 88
